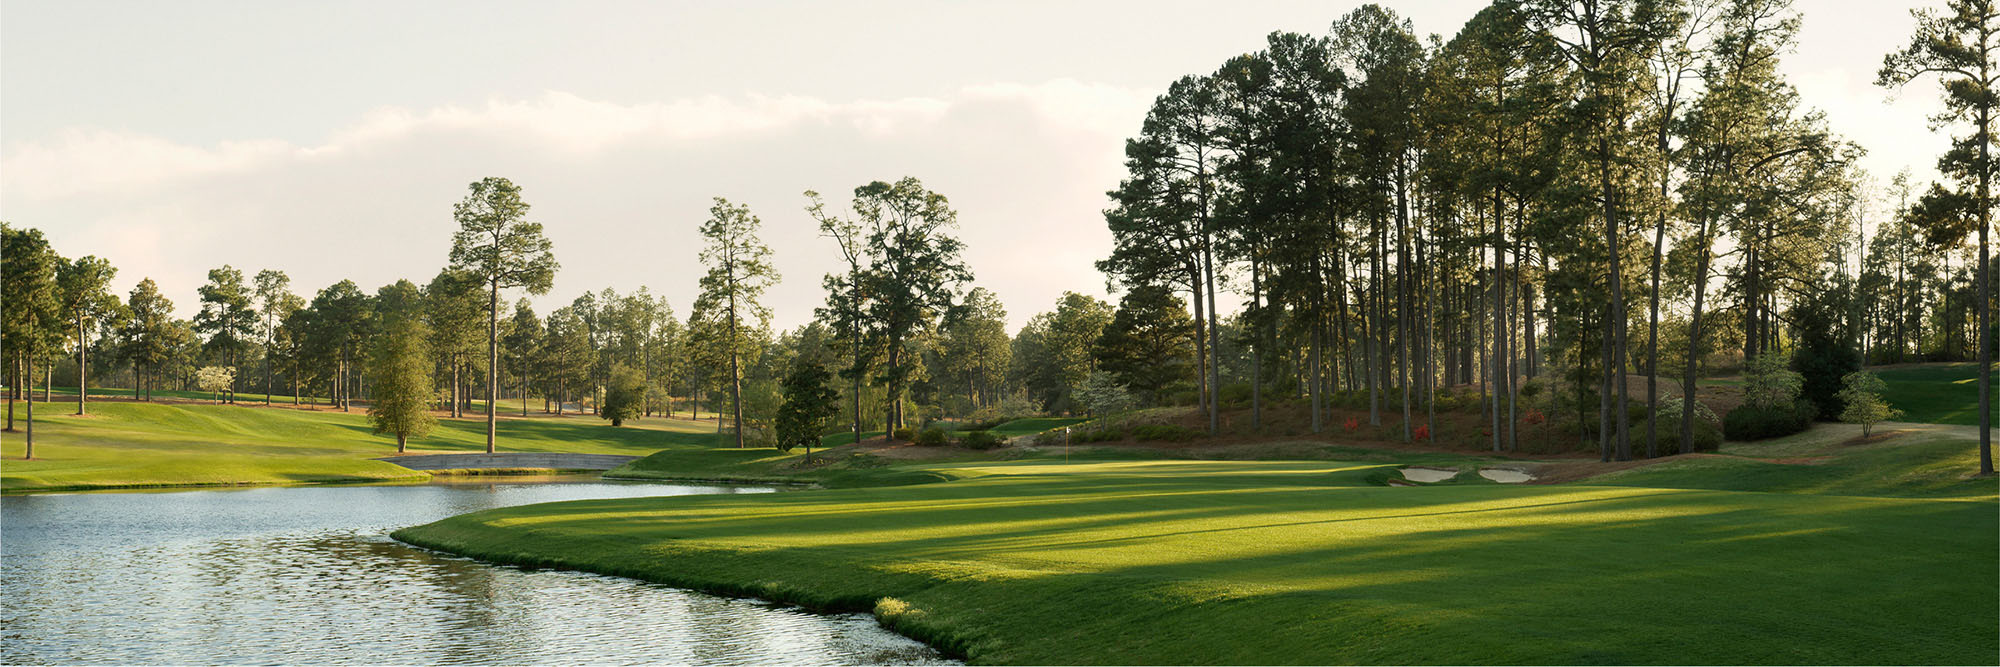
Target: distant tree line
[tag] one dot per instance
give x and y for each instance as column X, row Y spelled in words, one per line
column 1564, row 198
column 1565, row 194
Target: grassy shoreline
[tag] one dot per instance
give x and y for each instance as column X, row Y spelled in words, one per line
column 138, row 445
column 1131, row 561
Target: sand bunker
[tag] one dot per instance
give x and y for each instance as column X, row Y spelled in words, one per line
column 1429, row 475
column 1506, row 475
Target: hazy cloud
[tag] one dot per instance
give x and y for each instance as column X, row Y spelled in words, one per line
column 621, row 187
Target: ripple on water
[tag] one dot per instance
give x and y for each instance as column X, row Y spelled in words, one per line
column 307, row 575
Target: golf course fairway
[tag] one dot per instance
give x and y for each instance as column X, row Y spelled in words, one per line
column 1199, row 562
column 124, row 444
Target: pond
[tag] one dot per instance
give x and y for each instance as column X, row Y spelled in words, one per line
column 308, row 575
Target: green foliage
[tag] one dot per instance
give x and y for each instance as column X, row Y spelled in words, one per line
column 1164, row 433
column 1756, row 422
column 905, row 434
column 399, row 368
column 1148, row 343
column 496, row 244
column 1770, row 384
column 1824, row 353
column 227, row 315
column 1707, row 434
column 1102, row 394
column 84, row 289
column 1237, row 394
column 810, row 406
column 1100, row 434
column 32, row 322
column 624, row 396
column 975, row 351
column 148, row 326
column 729, row 321
column 215, row 379
column 495, row 241
column 904, row 269
column 980, row 439
column 1672, row 407
column 1862, row 393
column 455, row 311
column 931, row 436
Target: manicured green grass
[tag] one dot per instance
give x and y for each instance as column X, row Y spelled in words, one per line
column 127, row 444
column 1916, row 464
column 1192, row 562
column 245, row 397
column 1934, row 393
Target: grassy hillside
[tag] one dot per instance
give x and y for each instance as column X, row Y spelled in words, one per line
column 127, row 444
column 1188, row 562
column 1933, row 393
column 1902, row 460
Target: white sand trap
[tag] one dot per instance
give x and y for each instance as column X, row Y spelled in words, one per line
column 1429, row 475
column 1506, row 475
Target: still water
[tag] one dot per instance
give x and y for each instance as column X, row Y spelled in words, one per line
column 310, row 576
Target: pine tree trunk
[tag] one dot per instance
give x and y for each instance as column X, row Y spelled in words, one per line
column 1214, row 370
column 492, row 363
column 1985, row 289
column 735, row 370
column 82, row 367
column 29, row 363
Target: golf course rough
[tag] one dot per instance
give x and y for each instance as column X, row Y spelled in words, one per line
column 1178, row 562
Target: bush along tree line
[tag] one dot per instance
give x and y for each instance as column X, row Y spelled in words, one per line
column 1538, row 220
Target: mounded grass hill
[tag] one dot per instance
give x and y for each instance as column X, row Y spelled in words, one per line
column 1867, row 555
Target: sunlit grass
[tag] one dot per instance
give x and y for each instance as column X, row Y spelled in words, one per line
column 1184, row 562
column 1934, row 393
column 126, row 444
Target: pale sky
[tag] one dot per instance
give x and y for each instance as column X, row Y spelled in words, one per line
column 330, row 139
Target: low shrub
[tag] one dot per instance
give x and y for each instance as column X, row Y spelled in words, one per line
column 1235, row 394
column 982, row 425
column 905, row 434
column 931, row 436
column 1750, row 422
column 1707, row 437
column 981, row 439
column 1164, row 433
column 1096, row 435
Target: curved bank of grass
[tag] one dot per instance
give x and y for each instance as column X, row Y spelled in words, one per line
column 1188, row 562
column 147, row 445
